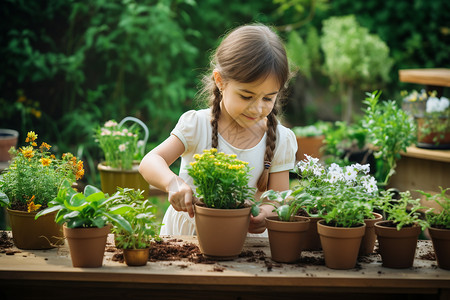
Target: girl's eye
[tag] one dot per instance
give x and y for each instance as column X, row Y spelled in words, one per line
column 245, row 98
column 267, row 99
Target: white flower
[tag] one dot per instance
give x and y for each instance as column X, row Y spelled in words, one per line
column 437, row 105
column 369, row 183
column 335, row 173
column 122, row 147
column 105, row 132
column 350, row 174
column 140, row 144
column 110, row 123
column 363, row 168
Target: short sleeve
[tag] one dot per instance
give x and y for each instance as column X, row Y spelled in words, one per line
column 189, row 129
column 285, row 150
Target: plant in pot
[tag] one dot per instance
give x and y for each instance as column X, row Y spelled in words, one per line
column 222, row 215
column 432, row 115
column 136, row 243
column 122, row 150
column 310, row 139
column 28, row 184
column 287, row 232
column 86, row 217
column 439, row 229
column 390, row 131
column 397, row 236
column 354, row 183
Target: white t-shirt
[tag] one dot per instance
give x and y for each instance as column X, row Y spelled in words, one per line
column 195, row 132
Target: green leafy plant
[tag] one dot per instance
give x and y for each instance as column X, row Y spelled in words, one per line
column 402, row 212
column 85, row 210
column 343, row 196
column 390, row 130
column 287, row 203
column 311, row 130
column 441, row 219
column 34, row 175
column 141, row 217
column 221, row 179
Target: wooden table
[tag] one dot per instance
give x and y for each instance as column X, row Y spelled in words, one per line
column 48, row 274
column 433, row 79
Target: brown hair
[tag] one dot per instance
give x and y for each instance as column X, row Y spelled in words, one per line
column 247, row 54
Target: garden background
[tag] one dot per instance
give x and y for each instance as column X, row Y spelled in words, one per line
column 69, row 66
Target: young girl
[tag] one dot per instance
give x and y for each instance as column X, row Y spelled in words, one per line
column 249, row 73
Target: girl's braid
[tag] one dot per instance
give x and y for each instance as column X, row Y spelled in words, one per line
column 272, row 123
column 215, row 110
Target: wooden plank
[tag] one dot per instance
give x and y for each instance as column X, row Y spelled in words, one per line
column 426, row 154
column 432, row 77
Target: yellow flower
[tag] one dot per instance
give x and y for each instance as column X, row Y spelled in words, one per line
column 31, row 137
column 233, row 155
column 197, row 156
column 45, row 161
column 31, row 206
column 27, row 151
column 193, row 163
column 45, row 145
column 213, row 150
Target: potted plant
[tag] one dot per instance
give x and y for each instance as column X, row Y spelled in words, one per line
column 439, row 229
column 135, row 244
column 86, row 217
column 397, row 236
column 28, row 184
column 223, row 214
column 310, row 140
column 382, row 120
column 353, row 183
column 122, row 150
column 433, row 118
column 287, row 232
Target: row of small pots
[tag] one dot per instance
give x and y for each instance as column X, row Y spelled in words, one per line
column 341, row 246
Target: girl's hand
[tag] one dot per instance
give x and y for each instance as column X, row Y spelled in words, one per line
column 180, row 195
column 258, row 223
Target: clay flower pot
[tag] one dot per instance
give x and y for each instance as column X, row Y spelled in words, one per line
column 441, row 245
column 111, row 178
column 287, row 239
column 340, row 244
column 309, row 145
column 136, row 257
column 32, row 234
column 87, row 245
column 369, row 238
column 312, row 239
column 8, row 139
column 221, row 232
column 397, row 247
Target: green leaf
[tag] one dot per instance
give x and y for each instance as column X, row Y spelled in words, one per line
column 90, row 189
column 95, row 197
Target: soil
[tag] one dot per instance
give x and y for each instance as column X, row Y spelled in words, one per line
column 6, row 243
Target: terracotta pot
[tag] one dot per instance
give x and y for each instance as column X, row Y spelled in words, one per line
column 286, row 239
column 397, row 247
column 369, row 238
column 8, row 139
column 340, row 245
column 111, row 178
column 441, row 245
column 221, row 232
column 312, row 239
column 32, row 234
column 309, row 145
column 428, row 141
column 87, row 245
column 136, row 257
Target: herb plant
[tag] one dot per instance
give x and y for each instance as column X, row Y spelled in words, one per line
column 441, row 219
column 141, row 217
column 34, row 175
column 85, row 210
column 402, row 212
column 221, row 179
column 390, row 130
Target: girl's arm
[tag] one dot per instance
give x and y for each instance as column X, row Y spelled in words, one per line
column 155, row 169
column 278, row 181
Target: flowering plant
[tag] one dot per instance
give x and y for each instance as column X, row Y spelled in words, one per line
column 434, row 111
column 221, row 179
column 344, row 196
column 35, row 174
column 119, row 144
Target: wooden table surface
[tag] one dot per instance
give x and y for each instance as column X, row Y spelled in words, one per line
column 51, row 272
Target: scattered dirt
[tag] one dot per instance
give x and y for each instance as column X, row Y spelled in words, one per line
column 5, row 241
column 428, row 256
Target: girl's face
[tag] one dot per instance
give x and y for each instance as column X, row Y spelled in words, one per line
column 249, row 103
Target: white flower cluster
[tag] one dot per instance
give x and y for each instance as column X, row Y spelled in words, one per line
column 353, row 175
column 437, row 105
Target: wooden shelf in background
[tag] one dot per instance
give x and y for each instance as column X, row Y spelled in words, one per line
column 431, row 77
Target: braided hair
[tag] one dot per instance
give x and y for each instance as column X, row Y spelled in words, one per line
column 247, row 54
